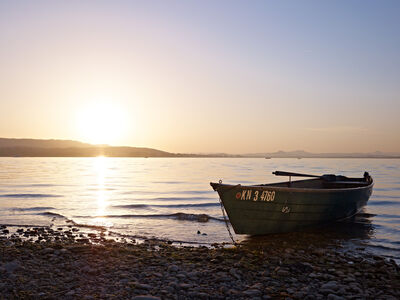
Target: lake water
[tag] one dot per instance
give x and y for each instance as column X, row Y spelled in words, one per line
column 169, row 198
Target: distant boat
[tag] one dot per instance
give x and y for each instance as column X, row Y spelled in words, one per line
column 267, row 157
column 293, row 205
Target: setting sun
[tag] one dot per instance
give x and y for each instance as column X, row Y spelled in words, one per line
column 101, row 123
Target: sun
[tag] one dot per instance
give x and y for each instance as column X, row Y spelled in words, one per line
column 101, row 123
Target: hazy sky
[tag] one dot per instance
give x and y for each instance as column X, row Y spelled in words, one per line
column 204, row 76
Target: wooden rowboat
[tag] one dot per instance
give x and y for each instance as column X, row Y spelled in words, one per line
column 293, row 205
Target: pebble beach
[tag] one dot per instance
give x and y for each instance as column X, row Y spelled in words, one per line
column 63, row 263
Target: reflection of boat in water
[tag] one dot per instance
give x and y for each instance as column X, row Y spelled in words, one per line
column 293, row 205
column 330, row 234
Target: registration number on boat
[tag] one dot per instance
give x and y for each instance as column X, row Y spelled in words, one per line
column 256, row 195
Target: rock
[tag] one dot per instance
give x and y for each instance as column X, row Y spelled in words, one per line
column 63, row 251
column 47, row 250
column 70, row 293
column 185, row 286
column 319, row 252
column 11, row 266
column 201, row 296
column 173, row 268
column 252, row 293
column 334, row 297
column 143, row 286
column 289, row 250
column 193, row 274
column 146, row 297
column 282, row 272
column 234, row 273
column 331, row 285
column 257, row 286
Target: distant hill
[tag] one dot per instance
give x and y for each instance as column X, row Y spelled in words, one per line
column 66, row 148
column 36, row 143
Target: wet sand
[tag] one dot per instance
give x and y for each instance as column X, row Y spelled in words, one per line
column 46, row 263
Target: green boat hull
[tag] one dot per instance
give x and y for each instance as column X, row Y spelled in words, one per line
column 258, row 210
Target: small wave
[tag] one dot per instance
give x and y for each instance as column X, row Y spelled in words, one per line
column 189, row 205
column 195, row 192
column 384, row 247
column 167, row 205
column 385, row 196
column 169, row 182
column 179, row 216
column 131, row 206
column 67, row 220
column 389, row 216
column 29, row 196
column 387, row 189
column 180, row 198
column 33, row 185
column 373, row 203
column 172, row 198
column 32, row 208
column 194, row 217
column 52, row 214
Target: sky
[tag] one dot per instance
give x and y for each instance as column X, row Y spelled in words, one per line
column 203, row 76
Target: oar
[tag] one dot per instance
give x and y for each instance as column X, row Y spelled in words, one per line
column 283, row 173
column 327, row 177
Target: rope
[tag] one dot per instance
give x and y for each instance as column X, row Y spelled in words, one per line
column 226, row 222
column 225, row 217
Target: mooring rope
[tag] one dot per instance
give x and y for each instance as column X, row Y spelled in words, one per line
column 225, row 217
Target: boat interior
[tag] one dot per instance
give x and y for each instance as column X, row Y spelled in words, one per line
column 325, row 182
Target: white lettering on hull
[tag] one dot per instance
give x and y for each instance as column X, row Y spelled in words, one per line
column 266, row 196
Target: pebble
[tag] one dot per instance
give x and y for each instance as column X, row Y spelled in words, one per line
column 334, row 297
column 47, row 250
column 173, row 268
column 11, row 266
column 143, row 286
column 252, row 293
column 331, row 285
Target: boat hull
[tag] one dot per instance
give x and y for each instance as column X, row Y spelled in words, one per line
column 258, row 210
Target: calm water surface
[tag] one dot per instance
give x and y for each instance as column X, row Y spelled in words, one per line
column 170, row 198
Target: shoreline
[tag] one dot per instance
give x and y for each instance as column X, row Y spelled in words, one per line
column 45, row 263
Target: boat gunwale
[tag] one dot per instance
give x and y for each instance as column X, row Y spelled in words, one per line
column 291, row 189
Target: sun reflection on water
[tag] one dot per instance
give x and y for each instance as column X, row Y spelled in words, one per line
column 100, row 166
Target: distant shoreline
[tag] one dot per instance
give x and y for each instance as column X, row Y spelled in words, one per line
column 10, row 147
column 202, row 156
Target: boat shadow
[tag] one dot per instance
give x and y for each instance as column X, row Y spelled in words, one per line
column 358, row 228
